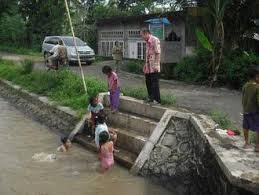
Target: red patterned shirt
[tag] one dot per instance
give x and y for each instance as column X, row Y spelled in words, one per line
column 153, row 51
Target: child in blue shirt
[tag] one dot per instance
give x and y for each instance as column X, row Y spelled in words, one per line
column 96, row 108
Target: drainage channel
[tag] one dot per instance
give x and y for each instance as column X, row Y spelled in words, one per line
column 70, row 173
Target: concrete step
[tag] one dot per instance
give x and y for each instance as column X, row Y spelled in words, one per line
column 130, row 140
column 141, row 125
column 134, row 106
column 123, row 157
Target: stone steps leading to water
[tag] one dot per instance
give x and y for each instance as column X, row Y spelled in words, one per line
column 138, row 107
column 123, row 157
column 141, row 125
column 130, row 140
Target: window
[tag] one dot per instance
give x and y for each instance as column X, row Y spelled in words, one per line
column 134, row 34
column 69, row 41
column 112, row 34
column 141, row 50
column 106, row 47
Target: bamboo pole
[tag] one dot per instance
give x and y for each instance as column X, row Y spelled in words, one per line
column 73, row 34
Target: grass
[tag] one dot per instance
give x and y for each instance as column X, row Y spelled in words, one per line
column 63, row 86
column 224, row 122
column 222, row 119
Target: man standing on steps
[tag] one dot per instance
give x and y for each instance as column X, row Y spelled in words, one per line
column 152, row 66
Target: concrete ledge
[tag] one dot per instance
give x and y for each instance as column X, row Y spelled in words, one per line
column 138, row 107
column 239, row 166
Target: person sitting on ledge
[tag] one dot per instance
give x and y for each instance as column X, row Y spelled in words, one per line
column 96, row 108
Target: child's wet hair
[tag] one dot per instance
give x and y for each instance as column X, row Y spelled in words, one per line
column 100, row 119
column 104, row 137
column 91, row 99
column 107, row 69
column 63, row 140
column 253, row 72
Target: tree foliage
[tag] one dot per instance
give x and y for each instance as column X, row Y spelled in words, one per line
column 12, row 27
column 42, row 18
column 239, row 20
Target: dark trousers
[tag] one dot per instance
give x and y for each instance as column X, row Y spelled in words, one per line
column 152, row 83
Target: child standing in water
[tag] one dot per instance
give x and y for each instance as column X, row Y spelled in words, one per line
column 106, row 151
column 114, row 87
column 66, row 144
column 250, row 102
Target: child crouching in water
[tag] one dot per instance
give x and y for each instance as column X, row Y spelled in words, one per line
column 114, row 87
column 250, row 102
column 106, row 151
column 66, row 144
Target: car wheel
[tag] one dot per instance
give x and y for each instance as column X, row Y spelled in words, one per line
column 89, row 62
column 71, row 63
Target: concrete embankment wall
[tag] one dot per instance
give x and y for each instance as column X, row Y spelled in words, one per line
column 188, row 156
column 60, row 119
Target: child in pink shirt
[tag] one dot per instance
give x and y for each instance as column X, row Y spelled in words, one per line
column 106, row 151
column 114, row 87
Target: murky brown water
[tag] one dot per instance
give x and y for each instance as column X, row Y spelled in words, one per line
column 71, row 173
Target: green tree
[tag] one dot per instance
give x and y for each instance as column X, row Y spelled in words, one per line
column 6, row 6
column 42, row 18
column 12, row 29
column 239, row 20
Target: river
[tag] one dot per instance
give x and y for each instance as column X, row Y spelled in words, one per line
column 73, row 172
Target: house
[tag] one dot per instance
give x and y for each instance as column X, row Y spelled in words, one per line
column 177, row 38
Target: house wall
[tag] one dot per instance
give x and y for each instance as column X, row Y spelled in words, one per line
column 172, row 51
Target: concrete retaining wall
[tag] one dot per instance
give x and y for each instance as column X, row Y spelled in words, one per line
column 187, row 155
column 58, row 118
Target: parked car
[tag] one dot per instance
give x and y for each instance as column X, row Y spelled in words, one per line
column 86, row 53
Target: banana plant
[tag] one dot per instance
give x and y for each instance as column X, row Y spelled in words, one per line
column 203, row 40
column 216, row 10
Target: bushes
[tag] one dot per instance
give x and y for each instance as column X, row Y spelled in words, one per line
column 232, row 72
column 194, row 69
column 221, row 119
column 234, row 68
column 27, row 66
column 12, row 29
column 134, row 66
